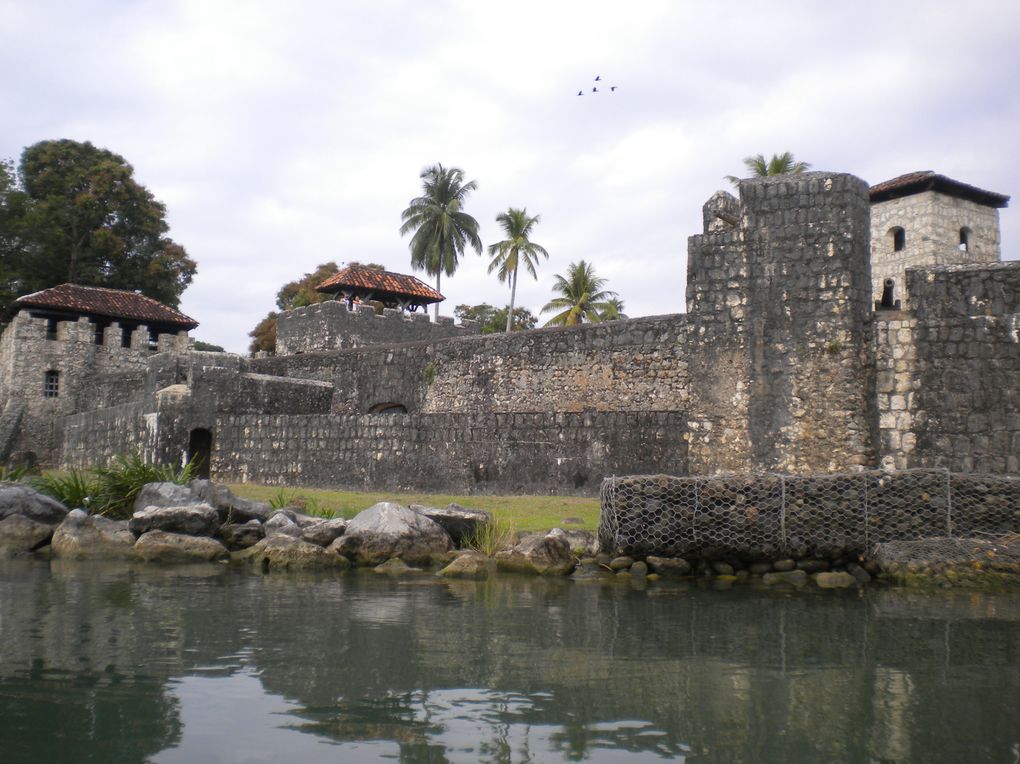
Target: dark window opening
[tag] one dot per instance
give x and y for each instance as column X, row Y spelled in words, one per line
column 51, row 384
column 153, row 340
column 964, row 239
column 125, row 336
column 899, row 239
column 388, row 408
column 200, row 451
column 100, row 329
column 51, row 328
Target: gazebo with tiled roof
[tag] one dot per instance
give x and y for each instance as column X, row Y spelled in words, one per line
column 357, row 283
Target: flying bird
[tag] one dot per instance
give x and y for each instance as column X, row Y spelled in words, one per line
column 580, row 92
column 594, row 90
column 612, row 88
column 598, row 77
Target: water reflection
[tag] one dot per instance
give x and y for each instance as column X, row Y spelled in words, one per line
column 139, row 664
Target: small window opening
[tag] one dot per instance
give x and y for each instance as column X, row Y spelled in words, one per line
column 125, row 337
column 899, row 239
column 153, row 340
column 388, row 408
column 51, row 384
column 100, row 329
column 964, row 239
column 51, row 328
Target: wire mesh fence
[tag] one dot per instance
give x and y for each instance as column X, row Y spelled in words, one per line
column 771, row 516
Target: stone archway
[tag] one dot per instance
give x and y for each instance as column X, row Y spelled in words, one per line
column 200, row 443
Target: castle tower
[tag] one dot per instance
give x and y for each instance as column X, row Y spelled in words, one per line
column 922, row 219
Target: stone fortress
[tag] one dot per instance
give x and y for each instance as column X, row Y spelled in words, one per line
column 829, row 327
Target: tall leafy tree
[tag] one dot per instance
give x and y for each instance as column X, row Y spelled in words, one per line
column 293, row 294
column 517, row 247
column 780, row 164
column 583, row 297
column 613, row 310
column 494, row 320
column 440, row 226
column 74, row 212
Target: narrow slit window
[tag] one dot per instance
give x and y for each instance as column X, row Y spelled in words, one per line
column 899, row 239
column 51, row 328
column 51, row 384
column 125, row 337
column 964, row 239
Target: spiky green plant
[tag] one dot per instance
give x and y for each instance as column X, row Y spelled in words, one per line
column 489, row 537
column 120, row 482
column 75, row 489
column 12, row 474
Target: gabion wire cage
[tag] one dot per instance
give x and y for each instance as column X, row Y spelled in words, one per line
column 771, row 515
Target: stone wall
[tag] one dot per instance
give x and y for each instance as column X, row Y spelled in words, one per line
column 563, row 453
column 931, row 222
column 94, row 437
column 331, row 326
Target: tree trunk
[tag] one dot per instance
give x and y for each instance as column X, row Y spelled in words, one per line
column 513, row 296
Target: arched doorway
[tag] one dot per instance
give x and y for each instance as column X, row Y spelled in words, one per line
column 200, row 451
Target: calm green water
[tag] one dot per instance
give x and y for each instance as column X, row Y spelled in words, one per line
column 115, row 664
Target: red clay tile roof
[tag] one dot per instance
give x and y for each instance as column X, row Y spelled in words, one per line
column 397, row 284
column 926, row 180
column 114, row 303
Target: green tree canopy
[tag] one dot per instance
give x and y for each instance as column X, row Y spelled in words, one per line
column 440, row 226
column 780, row 164
column 73, row 212
column 583, row 297
column 493, row 319
column 613, row 310
column 517, row 247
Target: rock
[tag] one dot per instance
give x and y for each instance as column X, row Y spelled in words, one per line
column 282, row 523
column 19, row 535
column 860, row 574
column 17, row 499
column 164, row 547
column 603, row 558
column 669, row 566
column 286, row 552
column 639, row 570
column 838, row 579
column 471, row 565
column 546, row 555
column 241, row 535
column 387, row 530
column 760, row 568
column 324, row 532
column 783, row 566
column 396, row 567
column 721, row 568
column 795, row 577
column 232, row 509
column 581, row 542
column 164, row 495
column 621, row 563
column 589, row 569
column 191, row 519
column 84, row 536
column 460, row 522
column 812, row 566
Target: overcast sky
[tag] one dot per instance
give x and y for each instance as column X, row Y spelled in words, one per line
column 281, row 135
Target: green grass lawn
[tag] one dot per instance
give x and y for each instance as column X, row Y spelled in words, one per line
column 523, row 513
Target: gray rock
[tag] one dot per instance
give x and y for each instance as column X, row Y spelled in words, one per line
column 590, row 569
column 17, row 499
column 545, row 555
column 19, row 535
column 721, row 568
column 191, row 519
column 581, row 542
column 621, row 563
column 163, row 495
column 163, row 547
column 242, row 535
column 794, row 577
column 470, row 565
column 813, row 566
column 232, row 508
column 282, row 523
column 783, row 566
column 324, row 532
column 396, row 567
column 387, row 530
column 838, row 579
column 860, row 574
column 639, row 569
column 84, row 536
column 289, row 553
column 299, row 519
column 759, row 568
column 460, row 522
column 669, row 566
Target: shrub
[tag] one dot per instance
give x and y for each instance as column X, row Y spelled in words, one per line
column 77, row 489
column 12, row 474
column 488, row 538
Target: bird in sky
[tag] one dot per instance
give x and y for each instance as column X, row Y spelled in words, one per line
column 612, row 88
column 594, row 90
column 580, row 92
column 598, row 77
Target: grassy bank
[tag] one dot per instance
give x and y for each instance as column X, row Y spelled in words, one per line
column 524, row 513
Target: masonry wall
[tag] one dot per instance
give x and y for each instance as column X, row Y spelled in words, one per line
column 331, row 326
column 471, row 453
column 931, row 222
column 94, row 437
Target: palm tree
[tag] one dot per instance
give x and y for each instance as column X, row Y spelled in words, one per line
column 584, row 298
column 613, row 310
column 780, row 164
column 508, row 254
column 440, row 225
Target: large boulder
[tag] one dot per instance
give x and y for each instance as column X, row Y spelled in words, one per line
column 460, row 522
column 190, row 519
column 387, row 530
column 19, row 535
column 232, row 509
column 84, row 536
column 17, row 499
column 163, row 495
column 469, row 565
column 289, row 553
column 160, row 546
column 324, row 532
column 282, row 523
column 542, row 554
column 242, row 535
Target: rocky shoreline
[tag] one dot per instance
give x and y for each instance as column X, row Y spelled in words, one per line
column 203, row 522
